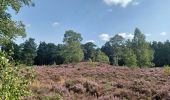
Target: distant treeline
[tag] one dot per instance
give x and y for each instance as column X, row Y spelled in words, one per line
column 117, row 51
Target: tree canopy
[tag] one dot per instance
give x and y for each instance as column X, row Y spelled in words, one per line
column 10, row 29
column 28, row 52
column 72, row 52
column 142, row 50
column 89, row 50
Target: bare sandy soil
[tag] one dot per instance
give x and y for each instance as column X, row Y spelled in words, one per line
column 85, row 81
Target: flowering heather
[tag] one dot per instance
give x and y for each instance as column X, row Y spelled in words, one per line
column 103, row 82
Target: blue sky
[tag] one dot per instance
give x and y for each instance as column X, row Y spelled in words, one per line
column 96, row 20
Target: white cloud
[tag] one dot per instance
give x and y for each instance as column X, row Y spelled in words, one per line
column 27, row 25
column 163, row 33
column 122, row 3
column 130, row 36
column 147, row 34
column 122, row 34
column 90, row 41
column 135, row 3
column 104, row 37
column 55, row 24
column 126, row 36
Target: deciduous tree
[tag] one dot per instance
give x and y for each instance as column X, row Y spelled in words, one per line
column 10, row 29
column 142, row 49
column 72, row 52
column 89, row 50
column 101, row 57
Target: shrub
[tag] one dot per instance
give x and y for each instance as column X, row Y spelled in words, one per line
column 13, row 82
column 108, row 87
column 78, row 88
column 69, row 83
column 166, row 70
column 56, row 97
column 91, row 88
column 91, row 63
column 101, row 57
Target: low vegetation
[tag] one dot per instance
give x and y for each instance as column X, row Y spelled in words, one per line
column 167, row 70
column 103, row 82
column 14, row 80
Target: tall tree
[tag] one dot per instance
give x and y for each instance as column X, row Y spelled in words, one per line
column 117, row 42
column 142, row 49
column 72, row 51
column 162, row 53
column 48, row 54
column 10, row 29
column 113, row 49
column 71, row 37
column 51, row 53
column 29, row 52
column 109, row 51
column 89, row 50
column 41, row 58
column 60, row 58
column 129, row 57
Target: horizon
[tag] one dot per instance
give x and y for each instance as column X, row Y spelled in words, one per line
column 96, row 20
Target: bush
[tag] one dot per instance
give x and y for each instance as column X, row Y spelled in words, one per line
column 13, row 81
column 69, row 83
column 91, row 88
column 91, row 63
column 56, row 97
column 166, row 70
column 101, row 57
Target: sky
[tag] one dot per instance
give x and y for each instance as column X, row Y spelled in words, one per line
column 96, row 20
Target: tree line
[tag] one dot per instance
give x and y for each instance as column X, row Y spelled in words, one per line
column 118, row 51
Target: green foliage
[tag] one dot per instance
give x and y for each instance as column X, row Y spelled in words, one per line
column 13, row 82
column 48, row 54
column 142, row 50
column 41, row 58
column 29, row 52
column 130, row 58
column 101, row 57
column 13, row 50
column 161, row 53
column 117, row 41
column 71, row 37
column 137, row 52
column 72, row 52
column 52, row 53
column 109, row 51
column 56, row 97
column 10, row 29
column 113, row 49
column 91, row 63
column 166, row 70
column 16, row 5
column 89, row 50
